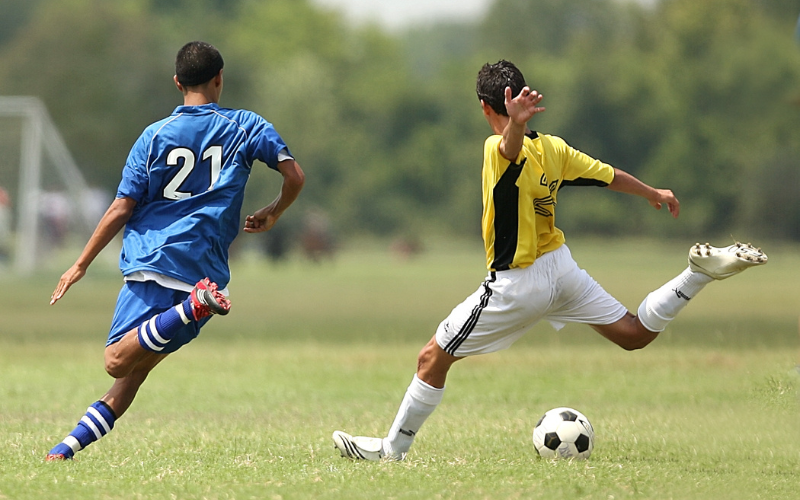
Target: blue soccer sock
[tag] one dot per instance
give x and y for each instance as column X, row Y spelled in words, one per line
column 96, row 423
column 155, row 333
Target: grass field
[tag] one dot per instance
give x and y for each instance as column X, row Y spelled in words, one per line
column 710, row 410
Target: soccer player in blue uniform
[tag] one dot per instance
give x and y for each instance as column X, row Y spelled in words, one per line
column 532, row 275
column 179, row 202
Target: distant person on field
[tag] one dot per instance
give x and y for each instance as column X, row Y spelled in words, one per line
column 532, row 276
column 5, row 224
column 56, row 210
column 179, row 202
column 316, row 237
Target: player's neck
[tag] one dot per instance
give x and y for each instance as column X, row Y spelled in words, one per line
column 197, row 99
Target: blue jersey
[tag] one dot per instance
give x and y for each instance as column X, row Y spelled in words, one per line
column 187, row 174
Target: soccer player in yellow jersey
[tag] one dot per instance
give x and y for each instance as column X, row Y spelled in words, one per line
column 532, row 275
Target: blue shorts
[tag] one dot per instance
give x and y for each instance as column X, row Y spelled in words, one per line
column 139, row 301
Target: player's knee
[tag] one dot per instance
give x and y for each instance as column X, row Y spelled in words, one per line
column 115, row 369
column 115, row 366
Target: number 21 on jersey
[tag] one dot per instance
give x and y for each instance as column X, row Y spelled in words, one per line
column 214, row 153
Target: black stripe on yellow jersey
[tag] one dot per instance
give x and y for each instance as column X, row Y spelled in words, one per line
column 519, row 197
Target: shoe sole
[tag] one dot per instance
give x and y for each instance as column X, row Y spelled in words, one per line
column 746, row 254
column 212, row 303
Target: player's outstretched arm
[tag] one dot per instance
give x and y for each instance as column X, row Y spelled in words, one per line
column 520, row 109
column 626, row 183
column 112, row 222
column 293, row 180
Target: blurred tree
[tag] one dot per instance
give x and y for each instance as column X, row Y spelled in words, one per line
column 215, row 8
column 16, row 15
column 519, row 29
column 700, row 97
column 687, row 95
column 347, row 101
column 730, row 72
column 102, row 73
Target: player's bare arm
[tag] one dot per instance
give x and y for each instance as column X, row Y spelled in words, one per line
column 293, row 180
column 112, row 222
column 626, row 183
column 520, row 109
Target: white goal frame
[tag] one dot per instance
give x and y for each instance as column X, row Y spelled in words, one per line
column 40, row 135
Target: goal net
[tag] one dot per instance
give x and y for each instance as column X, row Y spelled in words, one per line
column 44, row 198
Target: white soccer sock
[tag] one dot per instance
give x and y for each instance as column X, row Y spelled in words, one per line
column 419, row 402
column 662, row 305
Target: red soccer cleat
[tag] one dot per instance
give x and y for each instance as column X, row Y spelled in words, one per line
column 206, row 300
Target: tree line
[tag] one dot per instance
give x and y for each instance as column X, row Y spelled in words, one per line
column 699, row 97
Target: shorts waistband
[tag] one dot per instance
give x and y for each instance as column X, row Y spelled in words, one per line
column 542, row 259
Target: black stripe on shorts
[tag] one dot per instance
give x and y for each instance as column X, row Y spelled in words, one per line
column 469, row 325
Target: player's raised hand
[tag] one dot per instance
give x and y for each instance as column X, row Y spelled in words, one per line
column 69, row 278
column 522, row 107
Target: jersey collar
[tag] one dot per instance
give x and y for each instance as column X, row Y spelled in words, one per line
column 196, row 110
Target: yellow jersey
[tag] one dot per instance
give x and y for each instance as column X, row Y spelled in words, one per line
column 519, row 197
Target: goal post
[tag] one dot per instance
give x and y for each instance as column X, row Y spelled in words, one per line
column 41, row 137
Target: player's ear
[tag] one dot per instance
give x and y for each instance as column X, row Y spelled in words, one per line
column 486, row 108
column 177, row 83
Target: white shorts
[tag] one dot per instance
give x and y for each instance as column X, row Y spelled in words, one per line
column 509, row 302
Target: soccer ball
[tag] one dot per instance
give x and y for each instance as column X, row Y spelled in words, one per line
column 564, row 433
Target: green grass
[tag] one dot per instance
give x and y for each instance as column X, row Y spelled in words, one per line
column 246, row 411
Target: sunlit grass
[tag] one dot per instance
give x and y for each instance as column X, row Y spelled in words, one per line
column 246, row 411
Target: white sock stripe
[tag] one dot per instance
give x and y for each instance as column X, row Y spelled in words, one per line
column 154, row 332
column 144, row 336
column 182, row 314
column 100, row 418
column 73, row 443
column 88, row 421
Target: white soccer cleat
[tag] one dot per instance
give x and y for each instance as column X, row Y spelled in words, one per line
column 360, row 447
column 721, row 263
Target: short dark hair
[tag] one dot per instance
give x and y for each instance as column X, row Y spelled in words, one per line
column 197, row 63
column 493, row 80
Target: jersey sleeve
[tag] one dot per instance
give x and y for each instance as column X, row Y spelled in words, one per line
column 493, row 161
column 134, row 182
column 267, row 145
column 580, row 168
